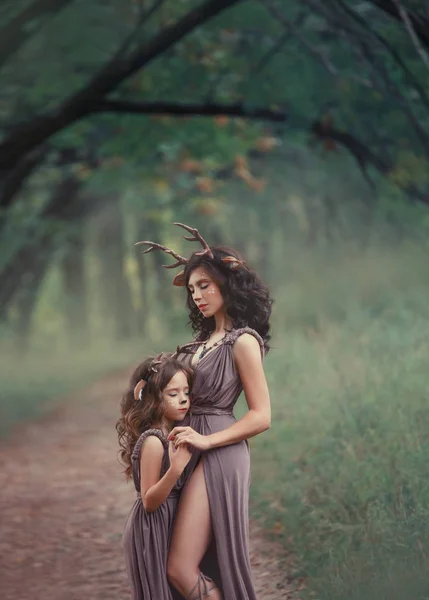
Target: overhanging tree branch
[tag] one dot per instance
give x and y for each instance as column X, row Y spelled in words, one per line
column 379, row 75
column 418, row 21
column 410, row 29
column 320, row 56
column 366, row 26
column 365, row 157
column 177, row 109
column 117, row 70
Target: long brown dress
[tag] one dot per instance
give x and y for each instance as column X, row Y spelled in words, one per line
column 146, row 537
column 215, row 390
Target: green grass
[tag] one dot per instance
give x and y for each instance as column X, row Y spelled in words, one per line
column 343, row 474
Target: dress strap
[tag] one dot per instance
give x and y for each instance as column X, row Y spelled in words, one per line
column 137, row 448
column 135, row 456
column 233, row 336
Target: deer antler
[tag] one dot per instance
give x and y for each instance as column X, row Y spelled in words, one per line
column 154, row 246
column 186, row 348
column 197, row 237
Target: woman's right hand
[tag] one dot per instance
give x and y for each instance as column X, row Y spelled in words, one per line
column 179, row 457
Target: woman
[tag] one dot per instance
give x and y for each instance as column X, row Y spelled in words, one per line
column 229, row 311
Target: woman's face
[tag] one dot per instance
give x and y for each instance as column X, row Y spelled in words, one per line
column 205, row 292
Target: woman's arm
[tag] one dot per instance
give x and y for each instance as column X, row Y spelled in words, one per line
column 154, row 491
column 247, row 356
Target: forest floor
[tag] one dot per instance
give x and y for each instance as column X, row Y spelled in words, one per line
column 64, row 502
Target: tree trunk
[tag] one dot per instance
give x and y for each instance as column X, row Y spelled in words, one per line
column 144, row 278
column 75, row 288
column 26, row 302
column 61, row 206
column 116, row 305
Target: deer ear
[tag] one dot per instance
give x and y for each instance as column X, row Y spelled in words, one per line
column 232, row 262
column 179, row 279
column 138, row 390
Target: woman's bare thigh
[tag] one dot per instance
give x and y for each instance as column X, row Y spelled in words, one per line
column 192, row 528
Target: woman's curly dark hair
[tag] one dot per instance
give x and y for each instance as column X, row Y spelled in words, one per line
column 139, row 415
column 246, row 298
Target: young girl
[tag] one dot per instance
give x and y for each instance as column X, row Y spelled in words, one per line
column 158, row 397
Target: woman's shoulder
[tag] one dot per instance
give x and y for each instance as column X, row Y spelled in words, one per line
column 235, row 334
column 157, row 433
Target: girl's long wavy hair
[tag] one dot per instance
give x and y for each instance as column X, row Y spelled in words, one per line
column 246, row 298
column 139, row 415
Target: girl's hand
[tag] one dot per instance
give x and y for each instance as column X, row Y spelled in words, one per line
column 179, row 457
column 187, row 435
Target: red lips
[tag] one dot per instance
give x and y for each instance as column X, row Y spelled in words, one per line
column 203, row 306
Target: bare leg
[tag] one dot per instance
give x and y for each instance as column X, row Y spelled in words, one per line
column 191, row 537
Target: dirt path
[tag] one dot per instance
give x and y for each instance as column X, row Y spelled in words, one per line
column 63, row 504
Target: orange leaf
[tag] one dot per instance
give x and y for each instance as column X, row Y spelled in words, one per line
column 191, row 166
column 240, row 161
column 221, row 120
column 258, row 185
column 265, row 144
column 205, row 184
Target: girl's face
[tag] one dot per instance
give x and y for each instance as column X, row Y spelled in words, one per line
column 205, row 292
column 176, row 397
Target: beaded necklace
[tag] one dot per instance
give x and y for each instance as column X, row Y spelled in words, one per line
column 206, row 349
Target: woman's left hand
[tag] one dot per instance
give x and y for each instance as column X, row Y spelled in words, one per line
column 187, row 435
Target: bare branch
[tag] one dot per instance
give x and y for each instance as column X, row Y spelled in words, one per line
column 144, row 16
column 318, row 55
column 366, row 26
column 420, row 22
column 410, row 29
column 263, row 62
column 377, row 70
column 198, row 110
column 366, row 157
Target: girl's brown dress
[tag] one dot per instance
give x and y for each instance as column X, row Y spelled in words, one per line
column 147, row 536
column 216, row 388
